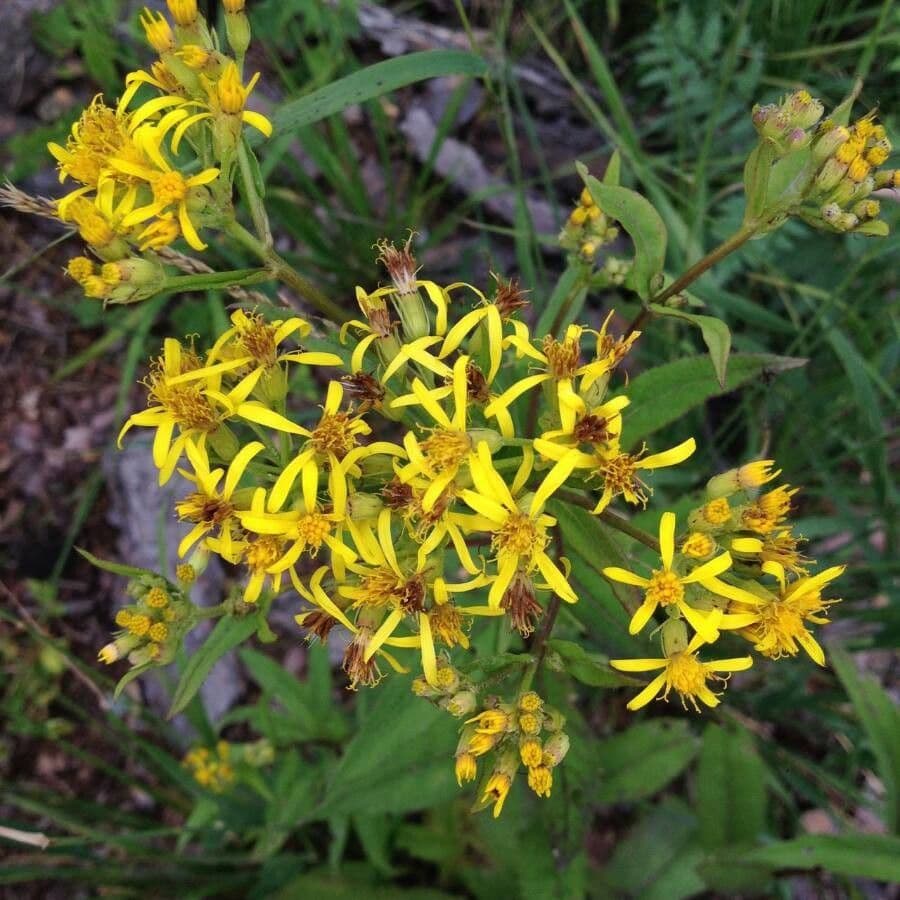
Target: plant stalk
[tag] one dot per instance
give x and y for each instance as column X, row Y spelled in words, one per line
column 738, row 239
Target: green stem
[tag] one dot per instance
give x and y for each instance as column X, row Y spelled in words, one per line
column 285, row 272
column 214, row 280
column 738, row 239
column 614, row 520
column 211, row 612
column 251, row 194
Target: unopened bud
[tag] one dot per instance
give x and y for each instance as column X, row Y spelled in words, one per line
column 829, row 142
column 492, row 438
column 555, row 749
column 184, row 12
column 224, row 443
column 830, row 174
column 866, row 209
column 674, row 637
column 461, row 704
column 237, row 28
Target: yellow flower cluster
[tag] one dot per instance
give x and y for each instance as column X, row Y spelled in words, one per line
column 525, row 733
column 134, row 192
column 448, row 500
column 844, row 163
column 768, row 599
column 151, row 628
column 587, row 229
column 211, row 768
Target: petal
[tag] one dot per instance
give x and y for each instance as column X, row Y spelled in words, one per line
column 385, row 630
column 258, row 121
column 555, row 578
column 648, row 693
column 668, row 457
column 254, row 411
column 429, row 660
column 625, row 577
column 711, row 569
column 642, row 616
column 187, row 228
column 667, row 539
column 638, row 665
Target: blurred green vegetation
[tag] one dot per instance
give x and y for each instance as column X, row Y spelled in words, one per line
column 359, row 800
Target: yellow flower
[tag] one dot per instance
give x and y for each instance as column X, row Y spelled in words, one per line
column 194, row 409
column 618, row 471
column 683, row 672
column 409, row 589
column 466, row 767
column 780, row 628
column 448, row 447
column 600, row 426
column 496, row 791
column 170, row 188
column 561, row 361
column 225, row 96
column 252, row 341
column 184, row 12
column 358, row 663
column 769, row 511
column 519, row 533
column 209, row 507
column 307, row 528
column 158, row 31
column 665, row 587
column 540, row 780
column 332, row 444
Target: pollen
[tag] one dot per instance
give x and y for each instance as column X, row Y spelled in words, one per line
column 717, row 512
column 156, row 598
column 563, row 357
column 446, row 449
column 530, row 752
column 80, row 268
column 158, row 632
column 185, row 573
column 169, row 188
column 123, row 618
column 312, row 529
column 139, row 625
column 698, row 545
column 447, row 625
column 381, row 588
column 530, row 702
column 540, row 780
column 620, row 477
column 519, row 536
column 685, row 673
column 263, row 553
column 530, row 723
column 665, row 588
column 335, row 434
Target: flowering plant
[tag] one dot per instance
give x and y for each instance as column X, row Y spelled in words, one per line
column 416, row 505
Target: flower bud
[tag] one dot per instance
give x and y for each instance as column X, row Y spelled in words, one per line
column 797, row 139
column 237, row 27
column 361, row 506
column 829, row 142
column 554, row 720
column 466, row 768
column 158, row 31
column 530, row 751
column 184, row 12
column 224, row 443
column 492, row 438
column 866, row 209
column 803, row 110
column 830, row 175
column 674, row 637
column 555, row 749
column 461, row 704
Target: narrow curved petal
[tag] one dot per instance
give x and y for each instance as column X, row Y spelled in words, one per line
column 667, row 539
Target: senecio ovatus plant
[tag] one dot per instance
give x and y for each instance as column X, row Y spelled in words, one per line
column 414, row 501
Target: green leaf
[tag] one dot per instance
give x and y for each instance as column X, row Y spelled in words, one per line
column 874, row 856
column 588, row 668
column 731, row 788
column 400, row 759
column 757, row 170
column 114, row 567
column 566, row 301
column 228, row 633
column 130, row 676
column 786, row 179
column 665, row 393
column 374, row 81
column 881, row 720
column 587, row 536
column 644, row 759
column 642, row 222
column 715, row 333
column 613, row 173
column 657, row 858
